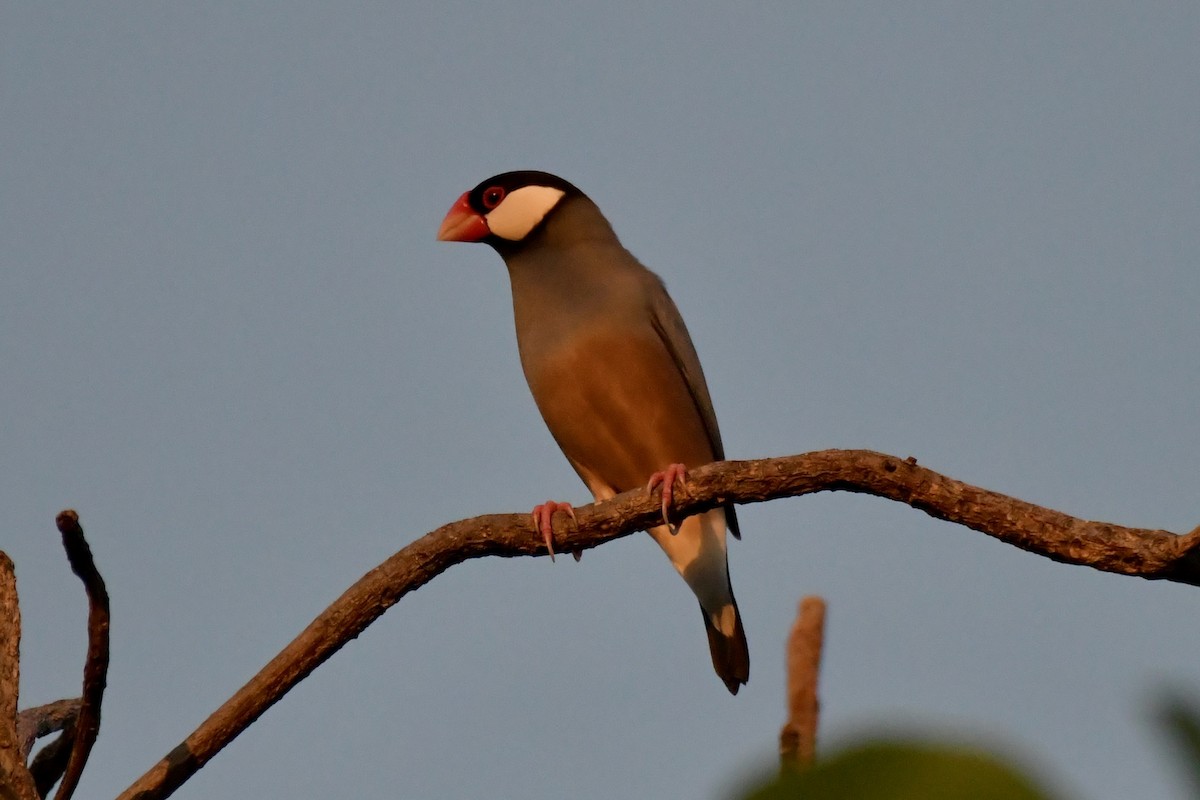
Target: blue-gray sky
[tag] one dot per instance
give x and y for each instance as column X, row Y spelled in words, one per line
column 967, row 233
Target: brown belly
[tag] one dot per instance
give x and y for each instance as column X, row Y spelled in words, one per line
column 619, row 408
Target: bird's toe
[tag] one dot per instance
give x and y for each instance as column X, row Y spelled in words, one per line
column 673, row 474
column 543, row 522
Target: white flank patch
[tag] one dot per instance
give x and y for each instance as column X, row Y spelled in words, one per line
column 697, row 551
column 521, row 210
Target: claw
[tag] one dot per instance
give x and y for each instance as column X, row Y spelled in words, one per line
column 673, row 474
column 543, row 515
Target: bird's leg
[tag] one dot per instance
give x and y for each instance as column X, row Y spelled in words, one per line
column 673, row 474
column 542, row 521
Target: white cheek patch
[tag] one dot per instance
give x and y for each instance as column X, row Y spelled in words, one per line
column 521, row 210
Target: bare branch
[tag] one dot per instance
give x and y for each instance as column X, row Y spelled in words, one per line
column 1146, row 553
column 95, row 669
column 34, row 723
column 798, row 739
column 10, row 642
column 51, row 762
column 15, row 781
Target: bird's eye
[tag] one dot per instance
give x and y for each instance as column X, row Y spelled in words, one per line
column 492, row 197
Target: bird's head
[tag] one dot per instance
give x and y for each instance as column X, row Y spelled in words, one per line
column 504, row 208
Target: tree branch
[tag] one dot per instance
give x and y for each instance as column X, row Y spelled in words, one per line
column 95, row 668
column 798, row 739
column 15, row 781
column 51, row 761
column 1112, row 548
column 34, row 723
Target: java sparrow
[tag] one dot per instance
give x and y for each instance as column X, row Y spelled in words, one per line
column 613, row 372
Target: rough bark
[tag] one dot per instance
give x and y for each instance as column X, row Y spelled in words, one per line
column 798, row 738
column 15, row 781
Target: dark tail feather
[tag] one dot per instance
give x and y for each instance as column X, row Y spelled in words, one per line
column 730, row 654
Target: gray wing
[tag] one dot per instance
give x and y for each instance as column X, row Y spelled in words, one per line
column 668, row 324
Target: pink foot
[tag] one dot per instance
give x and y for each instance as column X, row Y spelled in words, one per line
column 673, row 474
column 542, row 521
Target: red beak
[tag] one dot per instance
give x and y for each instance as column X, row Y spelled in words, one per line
column 463, row 223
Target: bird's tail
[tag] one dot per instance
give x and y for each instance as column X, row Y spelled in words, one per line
column 727, row 644
column 697, row 549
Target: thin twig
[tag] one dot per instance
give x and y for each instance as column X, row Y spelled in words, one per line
column 34, row 723
column 51, row 762
column 1152, row 554
column 798, row 738
column 95, row 669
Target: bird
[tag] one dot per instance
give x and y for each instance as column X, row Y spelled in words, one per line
column 613, row 372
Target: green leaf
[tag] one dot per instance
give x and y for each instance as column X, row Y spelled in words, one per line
column 903, row 771
column 1181, row 719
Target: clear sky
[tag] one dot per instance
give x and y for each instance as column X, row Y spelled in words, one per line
column 966, row 233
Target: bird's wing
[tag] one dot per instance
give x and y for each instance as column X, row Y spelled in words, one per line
column 668, row 324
